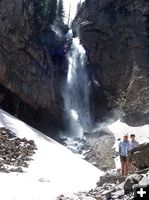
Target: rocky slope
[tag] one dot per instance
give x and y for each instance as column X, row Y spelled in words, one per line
column 96, row 148
column 111, row 187
column 15, row 153
column 32, row 61
column 115, row 35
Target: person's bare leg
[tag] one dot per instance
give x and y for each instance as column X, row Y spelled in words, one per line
column 122, row 167
column 126, row 168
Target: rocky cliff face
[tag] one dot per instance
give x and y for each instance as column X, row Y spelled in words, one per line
column 32, row 61
column 115, row 35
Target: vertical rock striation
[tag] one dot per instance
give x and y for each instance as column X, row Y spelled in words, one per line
column 115, row 35
column 32, row 61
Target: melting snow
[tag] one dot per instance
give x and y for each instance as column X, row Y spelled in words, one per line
column 55, row 170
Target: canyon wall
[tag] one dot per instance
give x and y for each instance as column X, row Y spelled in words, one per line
column 32, row 60
column 115, row 35
column 33, row 66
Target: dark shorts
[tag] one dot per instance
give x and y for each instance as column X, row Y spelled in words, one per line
column 123, row 158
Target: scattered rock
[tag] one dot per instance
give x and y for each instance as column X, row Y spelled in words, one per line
column 79, row 196
column 14, row 151
column 130, row 181
column 18, row 169
column 110, row 187
column 111, row 176
column 118, row 194
column 96, row 148
column 44, row 180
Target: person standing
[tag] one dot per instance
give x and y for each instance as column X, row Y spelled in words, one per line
column 123, row 152
column 133, row 144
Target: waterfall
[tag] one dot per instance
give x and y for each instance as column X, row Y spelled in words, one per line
column 76, row 93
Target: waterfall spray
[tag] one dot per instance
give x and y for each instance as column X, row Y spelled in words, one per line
column 76, row 94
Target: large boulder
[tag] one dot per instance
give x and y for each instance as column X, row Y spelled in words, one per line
column 140, row 156
column 115, row 35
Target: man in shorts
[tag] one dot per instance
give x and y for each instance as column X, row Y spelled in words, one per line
column 123, row 152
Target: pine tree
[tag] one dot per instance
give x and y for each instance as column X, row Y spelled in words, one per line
column 45, row 13
column 53, row 9
column 78, row 6
column 39, row 13
column 60, row 11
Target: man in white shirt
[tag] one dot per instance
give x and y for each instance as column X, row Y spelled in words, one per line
column 133, row 144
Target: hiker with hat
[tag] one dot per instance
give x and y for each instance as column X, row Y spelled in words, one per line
column 123, row 152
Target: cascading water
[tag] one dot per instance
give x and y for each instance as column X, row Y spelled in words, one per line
column 76, row 94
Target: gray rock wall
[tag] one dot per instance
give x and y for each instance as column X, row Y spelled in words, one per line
column 115, row 35
column 28, row 65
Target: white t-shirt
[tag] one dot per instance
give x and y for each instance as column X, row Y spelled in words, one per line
column 133, row 144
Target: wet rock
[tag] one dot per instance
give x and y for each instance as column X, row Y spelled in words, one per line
column 62, row 141
column 86, row 133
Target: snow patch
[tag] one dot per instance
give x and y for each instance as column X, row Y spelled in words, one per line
column 55, row 169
